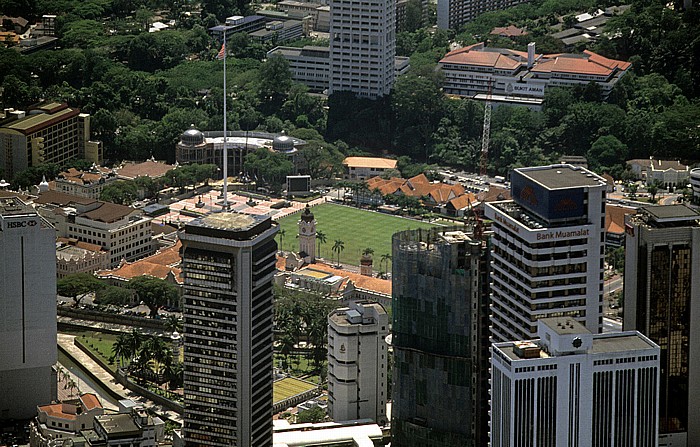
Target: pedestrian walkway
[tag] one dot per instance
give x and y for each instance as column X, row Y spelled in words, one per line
column 101, row 326
column 65, row 341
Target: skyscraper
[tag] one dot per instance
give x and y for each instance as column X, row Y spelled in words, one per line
column 454, row 13
column 27, row 310
column 548, row 250
column 357, row 362
column 662, row 301
column 228, row 262
column 576, row 389
column 363, row 45
column 440, row 338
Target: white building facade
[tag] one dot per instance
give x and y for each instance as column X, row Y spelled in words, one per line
column 521, row 78
column 576, row 389
column 27, row 310
column 357, row 362
column 363, row 45
column 547, row 250
column 228, row 260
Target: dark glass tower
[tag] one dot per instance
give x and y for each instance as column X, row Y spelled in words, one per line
column 662, row 300
column 440, row 338
column 228, row 262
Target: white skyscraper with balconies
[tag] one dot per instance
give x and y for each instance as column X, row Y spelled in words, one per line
column 363, row 45
column 27, row 310
column 357, row 362
column 574, row 388
column 547, row 250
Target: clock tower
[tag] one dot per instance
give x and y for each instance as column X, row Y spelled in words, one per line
column 307, row 235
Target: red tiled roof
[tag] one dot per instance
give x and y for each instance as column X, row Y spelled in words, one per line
column 158, row 265
column 615, row 218
column 61, row 199
column 508, row 31
column 463, row 201
column 108, row 212
column 79, row 244
column 474, row 55
column 361, row 281
column 594, row 64
column 90, row 401
column 148, row 168
column 56, row 411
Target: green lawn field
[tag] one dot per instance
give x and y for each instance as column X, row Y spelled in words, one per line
column 357, row 228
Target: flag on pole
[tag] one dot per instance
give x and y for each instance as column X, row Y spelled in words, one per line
column 222, row 52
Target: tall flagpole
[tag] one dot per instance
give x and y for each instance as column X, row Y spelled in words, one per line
column 225, row 133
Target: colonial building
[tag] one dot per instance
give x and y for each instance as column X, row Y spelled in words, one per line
column 196, row 147
column 363, row 168
column 87, row 184
column 74, row 256
column 521, row 78
column 668, row 173
column 124, row 232
column 61, row 421
column 307, row 236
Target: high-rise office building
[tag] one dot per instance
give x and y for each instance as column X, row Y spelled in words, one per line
column 363, row 45
column 662, row 301
column 357, row 362
column 228, row 261
column 453, row 13
column 27, row 310
column 574, row 388
column 440, row 338
column 48, row 133
column 547, row 250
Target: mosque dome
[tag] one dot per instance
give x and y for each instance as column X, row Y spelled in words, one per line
column 283, row 143
column 192, row 136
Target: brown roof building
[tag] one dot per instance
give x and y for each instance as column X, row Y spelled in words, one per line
column 149, row 168
column 508, row 31
column 521, row 78
column 122, row 231
column 362, row 168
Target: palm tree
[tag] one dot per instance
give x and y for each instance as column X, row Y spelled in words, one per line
column 338, row 247
column 173, row 323
column 282, row 232
column 321, row 238
column 120, row 348
column 386, row 258
column 134, row 340
column 368, row 252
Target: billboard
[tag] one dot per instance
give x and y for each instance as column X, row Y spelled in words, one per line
column 550, row 204
column 298, row 184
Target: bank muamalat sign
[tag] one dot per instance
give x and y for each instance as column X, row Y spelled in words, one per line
column 563, row 234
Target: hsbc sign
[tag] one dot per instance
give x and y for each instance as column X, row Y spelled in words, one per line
column 20, row 224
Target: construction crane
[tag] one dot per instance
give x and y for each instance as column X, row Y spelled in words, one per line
column 486, row 135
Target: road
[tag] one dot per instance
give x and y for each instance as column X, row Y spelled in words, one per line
column 610, row 325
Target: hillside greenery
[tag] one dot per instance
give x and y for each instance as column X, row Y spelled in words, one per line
column 144, row 89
